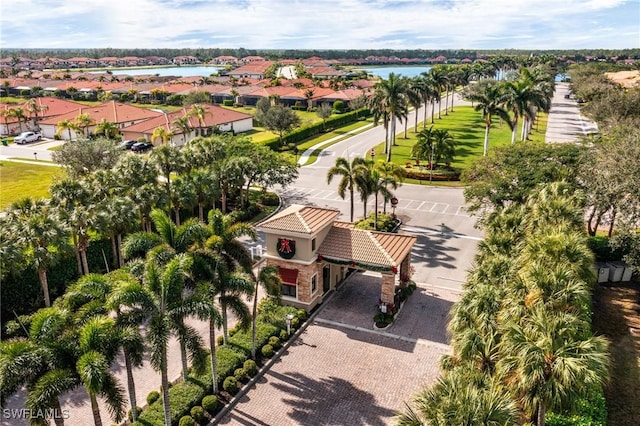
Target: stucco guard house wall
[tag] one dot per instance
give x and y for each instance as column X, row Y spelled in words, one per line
column 313, row 253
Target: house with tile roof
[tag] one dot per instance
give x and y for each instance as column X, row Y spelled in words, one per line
column 255, row 70
column 215, row 118
column 314, row 253
column 122, row 115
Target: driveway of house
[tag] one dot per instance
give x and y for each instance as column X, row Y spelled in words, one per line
column 342, row 372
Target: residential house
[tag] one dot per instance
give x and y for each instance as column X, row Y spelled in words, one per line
column 215, row 118
column 115, row 112
column 254, row 70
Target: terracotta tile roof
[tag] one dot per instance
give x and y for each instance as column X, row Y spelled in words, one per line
column 300, row 219
column 112, row 111
column 344, row 242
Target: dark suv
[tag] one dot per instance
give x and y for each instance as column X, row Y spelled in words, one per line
column 141, row 146
column 126, row 145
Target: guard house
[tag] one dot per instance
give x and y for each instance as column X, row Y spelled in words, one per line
column 314, row 252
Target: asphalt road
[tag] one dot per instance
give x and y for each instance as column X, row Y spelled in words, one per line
column 566, row 124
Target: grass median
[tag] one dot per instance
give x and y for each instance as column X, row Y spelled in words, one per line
column 467, row 127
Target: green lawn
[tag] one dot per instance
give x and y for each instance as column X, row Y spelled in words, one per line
column 19, row 180
column 467, row 128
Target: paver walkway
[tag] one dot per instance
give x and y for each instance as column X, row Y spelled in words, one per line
column 342, row 372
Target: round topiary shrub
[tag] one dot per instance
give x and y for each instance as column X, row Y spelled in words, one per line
column 338, row 106
column 250, row 367
column 230, row 385
column 233, row 330
column 153, row 397
column 284, row 336
column 187, row 421
column 267, row 351
column 240, row 374
column 274, row 342
column 197, row 413
column 220, row 340
column 210, row 403
column 130, row 417
column 301, row 314
column 295, row 323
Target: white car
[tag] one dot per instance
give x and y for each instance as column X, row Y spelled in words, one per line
column 27, row 137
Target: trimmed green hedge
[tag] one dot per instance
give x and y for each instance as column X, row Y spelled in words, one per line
column 302, row 133
column 590, row 411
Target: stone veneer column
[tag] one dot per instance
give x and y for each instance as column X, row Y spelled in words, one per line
column 404, row 269
column 388, row 288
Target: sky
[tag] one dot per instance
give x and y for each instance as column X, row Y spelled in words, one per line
column 321, row 24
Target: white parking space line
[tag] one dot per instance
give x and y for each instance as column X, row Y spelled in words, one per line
column 441, row 209
column 408, row 204
column 429, row 205
column 324, row 197
column 453, row 210
column 420, row 206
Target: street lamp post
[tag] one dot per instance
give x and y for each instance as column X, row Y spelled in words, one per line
column 431, row 165
column 288, row 319
column 372, row 153
column 35, row 155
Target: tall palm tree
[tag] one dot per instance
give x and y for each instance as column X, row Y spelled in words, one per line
column 444, row 146
column 489, row 100
column 391, row 93
column 203, row 187
column 38, row 231
column 19, row 114
column 392, row 175
column 518, row 97
column 425, row 146
column 159, row 298
column 183, row 196
column 348, row 171
column 223, row 240
column 98, row 343
column 168, row 160
column 546, row 365
column 438, row 78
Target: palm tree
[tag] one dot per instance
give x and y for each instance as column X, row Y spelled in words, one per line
column 392, row 175
column 203, row 187
column 444, row 146
column 461, row 398
column 425, row 146
column 348, row 171
column 546, row 365
column 269, row 278
column 198, row 111
column 161, row 133
column 40, row 234
column 107, row 128
column 223, row 240
column 182, row 196
column 98, row 342
column 88, row 297
column 518, row 97
column 438, row 78
column 168, row 160
column 160, row 300
column 67, row 125
column 19, row 114
column 391, row 93
column 83, row 121
column 182, row 125
column 489, row 100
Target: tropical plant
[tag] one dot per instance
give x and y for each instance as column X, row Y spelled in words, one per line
column 35, row 226
column 390, row 97
column 349, row 172
column 269, row 278
column 108, row 129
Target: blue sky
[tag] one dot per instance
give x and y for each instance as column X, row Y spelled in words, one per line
column 321, row 24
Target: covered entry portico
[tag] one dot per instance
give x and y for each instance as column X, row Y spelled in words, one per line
column 314, row 253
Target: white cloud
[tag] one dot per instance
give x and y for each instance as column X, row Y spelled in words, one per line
column 339, row 24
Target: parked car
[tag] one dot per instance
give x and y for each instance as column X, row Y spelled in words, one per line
column 27, row 137
column 141, row 146
column 126, row 145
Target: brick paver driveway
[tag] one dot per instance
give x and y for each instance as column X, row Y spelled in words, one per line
column 341, row 372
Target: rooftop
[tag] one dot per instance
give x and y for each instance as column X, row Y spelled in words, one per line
column 300, row 219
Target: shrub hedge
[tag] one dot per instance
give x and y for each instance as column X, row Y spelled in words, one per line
column 210, row 403
column 185, row 395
